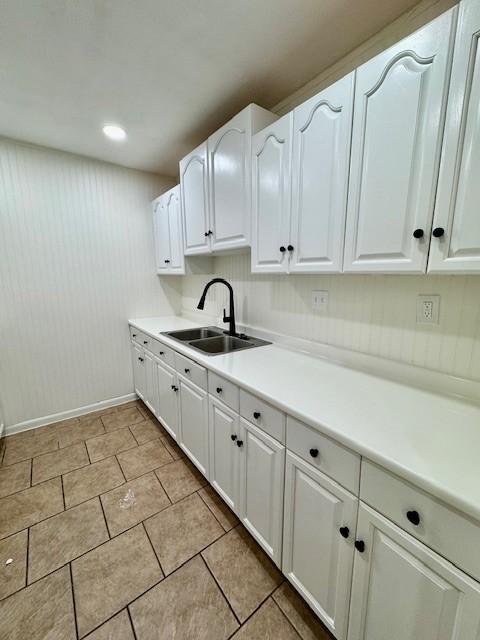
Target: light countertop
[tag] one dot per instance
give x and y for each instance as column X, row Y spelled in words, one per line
column 430, row 440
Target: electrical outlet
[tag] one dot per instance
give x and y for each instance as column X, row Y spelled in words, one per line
column 319, row 300
column 428, row 309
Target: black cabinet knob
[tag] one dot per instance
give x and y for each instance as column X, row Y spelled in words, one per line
column 256, row 415
column 187, row 370
column 145, row 342
column 210, row 232
column 233, row 437
column 438, row 232
column 141, row 359
column 239, row 443
column 206, row 234
column 360, row 545
column 134, row 335
column 167, row 261
column 413, row 517
column 282, row 249
column 219, row 389
column 418, row 233
column 174, row 388
column 314, row 453
column 161, row 353
column 290, row 247
column 344, row 532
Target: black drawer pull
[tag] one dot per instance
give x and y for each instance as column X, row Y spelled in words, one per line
column 141, row 359
column 290, row 247
column 360, row 545
column 161, row 353
column 239, row 443
column 256, row 415
column 418, row 233
column 413, row 517
column 174, row 388
column 187, row 370
column 344, row 532
column 134, row 335
column 314, row 453
column 282, row 249
column 145, row 342
column 219, row 389
column 438, row 232
column 233, row 437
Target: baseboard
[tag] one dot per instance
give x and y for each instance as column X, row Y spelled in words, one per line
column 71, row 413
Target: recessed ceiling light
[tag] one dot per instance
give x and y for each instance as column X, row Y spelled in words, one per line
column 114, row 132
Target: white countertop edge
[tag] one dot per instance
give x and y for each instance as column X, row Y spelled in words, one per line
column 442, row 493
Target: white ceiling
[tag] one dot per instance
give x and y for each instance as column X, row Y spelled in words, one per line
column 169, row 71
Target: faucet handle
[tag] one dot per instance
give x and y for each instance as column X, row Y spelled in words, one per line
column 225, row 317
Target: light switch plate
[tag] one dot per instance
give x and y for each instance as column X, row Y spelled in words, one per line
column 319, row 300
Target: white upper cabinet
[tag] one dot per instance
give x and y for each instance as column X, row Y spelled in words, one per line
column 229, row 166
column 321, row 156
column 194, row 197
column 455, row 245
column 168, row 234
column 403, row 591
column 271, row 159
column 400, row 98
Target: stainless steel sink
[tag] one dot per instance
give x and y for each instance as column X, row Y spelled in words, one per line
column 213, row 341
column 194, row 334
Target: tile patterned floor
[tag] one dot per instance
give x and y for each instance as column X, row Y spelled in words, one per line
column 107, row 531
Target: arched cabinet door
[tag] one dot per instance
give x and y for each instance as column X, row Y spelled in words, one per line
column 194, row 199
column 176, row 262
column 161, row 236
column 400, row 99
column 271, row 170
column 457, row 209
column 321, row 154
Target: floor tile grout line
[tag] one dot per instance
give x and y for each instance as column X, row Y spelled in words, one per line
column 230, row 606
column 212, row 512
column 282, row 612
column 131, row 622
column 153, row 549
column 63, row 493
column 104, row 516
column 70, row 571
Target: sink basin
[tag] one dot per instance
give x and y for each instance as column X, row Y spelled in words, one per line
column 194, row 334
column 213, row 341
column 220, row 344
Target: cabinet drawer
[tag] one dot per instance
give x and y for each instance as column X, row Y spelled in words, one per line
column 137, row 335
column 263, row 415
column 325, row 454
column 224, row 390
column 447, row 531
column 191, row 370
column 163, row 353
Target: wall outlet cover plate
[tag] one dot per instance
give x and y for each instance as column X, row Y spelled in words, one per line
column 428, row 308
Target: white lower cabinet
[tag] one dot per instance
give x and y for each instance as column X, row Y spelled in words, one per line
column 151, row 388
column 318, row 538
column 138, row 359
column 194, row 423
column 167, row 406
column 404, row 591
column 224, row 427
column 262, row 461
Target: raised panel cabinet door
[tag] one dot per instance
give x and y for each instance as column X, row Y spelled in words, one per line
column 167, row 409
column 399, row 108
column 271, row 171
column 138, row 360
column 176, row 262
column 194, row 201
column 319, row 532
column 262, row 464
column 404, row 591
column 151, row 388
column 224, row 435
column 161, row 231
column 229, row 157
column 321, row 156
column 194, row 424
column 457, row 212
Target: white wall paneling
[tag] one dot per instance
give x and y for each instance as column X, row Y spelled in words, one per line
column 76, row 261
column 374, row 314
